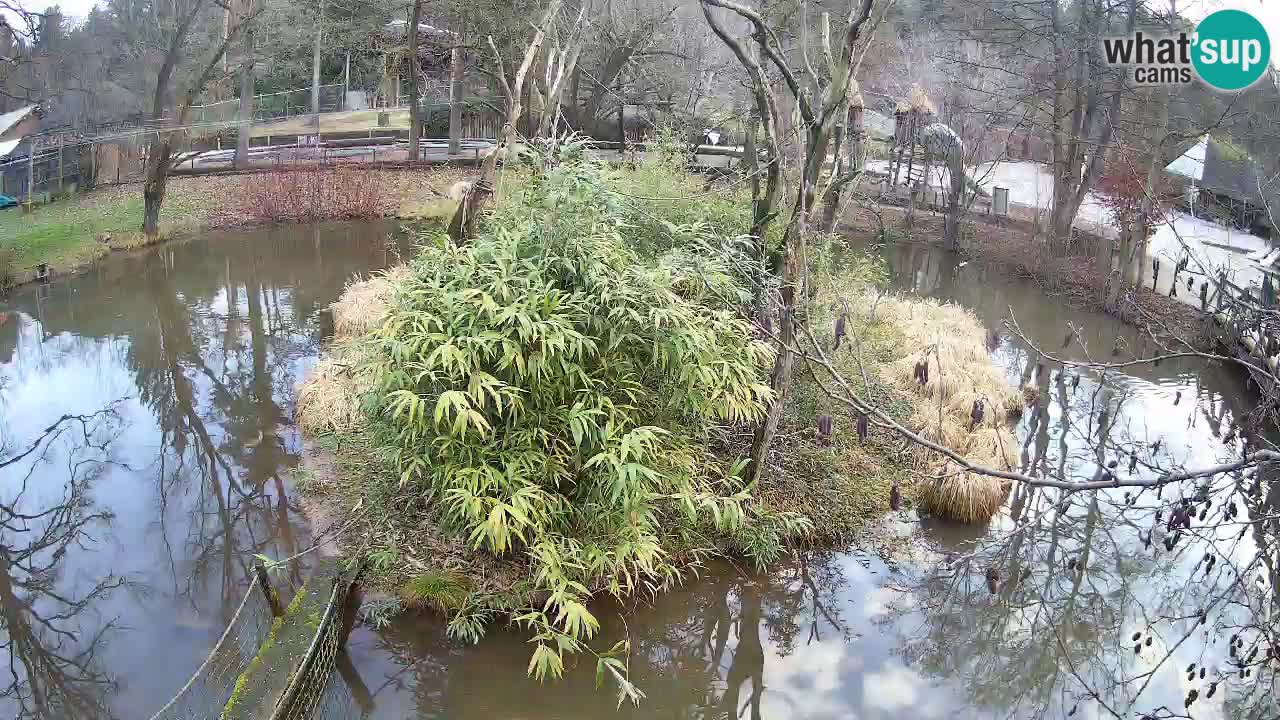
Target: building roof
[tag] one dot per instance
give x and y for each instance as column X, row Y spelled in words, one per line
column 1190, row 164
column 7, row 147
column 10, row 119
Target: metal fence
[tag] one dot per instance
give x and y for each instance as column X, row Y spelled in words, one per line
column 44, row 175
column 270, row 106
column 213, row 683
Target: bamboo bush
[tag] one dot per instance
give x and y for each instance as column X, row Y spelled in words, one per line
column 550, row 391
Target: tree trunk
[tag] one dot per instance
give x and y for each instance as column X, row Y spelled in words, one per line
column 315, row 67
column 791, row 292
column 153, row 187
column 455, row 99
column 1148, row 210
column 415, row 119
column 955, row 199
column 246, row 105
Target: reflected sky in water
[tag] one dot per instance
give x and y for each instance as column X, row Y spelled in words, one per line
column 138, row 522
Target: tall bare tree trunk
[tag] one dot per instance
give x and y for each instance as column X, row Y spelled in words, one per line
column 315, row 66
column 245, row 126
column 455, row 98
column 154, row 186
column 415, row 114
column 1136, row 272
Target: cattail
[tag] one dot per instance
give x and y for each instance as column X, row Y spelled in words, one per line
column 977, row 413
column 1155, row 447
column 1177, row 397
column 840, row 328
column 1133, row 462
column 864, row 430
column 993, row 580
column 824, row 429
column 895, row 498
column 1075, row 381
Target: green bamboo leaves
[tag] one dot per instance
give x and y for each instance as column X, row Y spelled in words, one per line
column 550, row 388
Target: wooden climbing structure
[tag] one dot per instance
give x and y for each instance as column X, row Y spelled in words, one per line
column 908, row 160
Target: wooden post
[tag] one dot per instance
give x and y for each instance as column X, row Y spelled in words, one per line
column 350, row 611
column 31, row 173
column 62, row 146
column 273, row 600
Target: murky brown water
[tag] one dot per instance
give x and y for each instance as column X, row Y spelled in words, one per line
column 130, row 542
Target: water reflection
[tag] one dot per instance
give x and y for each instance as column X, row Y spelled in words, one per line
column 127, row 551
column 798, row 642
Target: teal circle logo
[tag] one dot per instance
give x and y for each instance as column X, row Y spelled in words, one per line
column 1231, row 50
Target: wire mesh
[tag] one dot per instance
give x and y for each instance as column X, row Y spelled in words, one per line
column 311, row 690
column 212, row 684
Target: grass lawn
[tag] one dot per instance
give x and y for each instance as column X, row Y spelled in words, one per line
column 66, row 234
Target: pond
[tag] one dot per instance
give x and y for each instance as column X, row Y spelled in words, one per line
column 146, row 427
column 149, row 514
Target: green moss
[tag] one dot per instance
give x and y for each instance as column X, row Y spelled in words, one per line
column 440, row 590
column 285, row 646
column 243, row 680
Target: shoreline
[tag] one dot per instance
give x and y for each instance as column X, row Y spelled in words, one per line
column 1010, row 245
column 194, row 198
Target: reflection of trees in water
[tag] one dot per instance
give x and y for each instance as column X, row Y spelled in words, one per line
column 225, row 438
column 1084, row 612
column 53, row 668
column 212, row 334
column 700, row 652
column 1097, row 568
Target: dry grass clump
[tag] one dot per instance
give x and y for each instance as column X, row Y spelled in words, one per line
column 364, row 303
column 961, row 374
column 329, row 400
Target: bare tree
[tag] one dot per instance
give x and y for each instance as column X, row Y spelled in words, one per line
column 818, row 111
column 415, row 111
column 177, row 22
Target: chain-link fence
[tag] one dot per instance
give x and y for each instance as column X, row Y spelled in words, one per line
column 213, row 683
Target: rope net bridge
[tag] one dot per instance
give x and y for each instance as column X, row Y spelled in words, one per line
column 274, row 663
